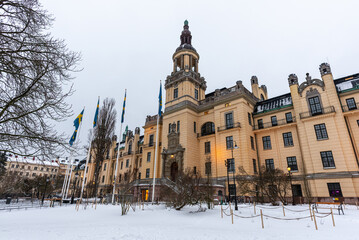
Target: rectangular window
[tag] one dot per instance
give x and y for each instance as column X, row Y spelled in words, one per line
column 266, row 143
column 292, row 163
column 269, row 164
column 139, row 175
column 335, row 190
column 232, row 189
column 103, row 179
column 321, row 131
column 149, row 157
column 314, row 105
column 260, row 123
column 127, row 163
column 150, row 142
column 194, row 170
column 208, row 168
column 35, row 168
column 104, row 166
column 178, row 126
column 207, row 147
column 229, row 142
column 351, row 104
column 358, row 122
column 274, row 120
column 327, row 159
column 196, row 94
column 254, row 165
column 288, row 139
column 229, row 120
column 249, row 119
column 121, row 164
column 230, row 165
column 194, row 127
column 147, row 173
column 175, row 93
column 289, row 117
column 252, row 143
column 169, row 127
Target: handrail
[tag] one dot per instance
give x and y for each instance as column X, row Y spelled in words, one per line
column 270, row 124
column 309, row 114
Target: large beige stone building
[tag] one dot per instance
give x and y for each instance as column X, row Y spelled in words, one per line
column 313, row 129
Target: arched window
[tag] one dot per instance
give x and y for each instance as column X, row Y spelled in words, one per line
column 207, row 129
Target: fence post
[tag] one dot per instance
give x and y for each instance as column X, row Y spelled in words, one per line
column 310, row 211
column 262, row 218
column 254, row 205
column 315, row 221
column 331, row 211
column 221, row 211
column 232, row 215
column 283, row 210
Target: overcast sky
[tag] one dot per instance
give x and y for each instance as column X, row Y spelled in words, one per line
column 129, row 44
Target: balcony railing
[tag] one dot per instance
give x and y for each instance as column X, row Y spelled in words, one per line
column 229, row 126
column 309, row 114
column 270, row 124
column 149, row 145
column 127, row 153
column 347, row 108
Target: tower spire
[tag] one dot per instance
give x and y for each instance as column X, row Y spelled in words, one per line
column 186, row 37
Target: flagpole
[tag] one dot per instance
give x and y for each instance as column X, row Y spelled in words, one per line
column 65, row 182
column 118, row 155
column 156, row 150
column 88, row 158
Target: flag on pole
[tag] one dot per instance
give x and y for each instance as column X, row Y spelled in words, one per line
column 96, row 113
column 123, row 109
column 77, row 123
column 160, row 101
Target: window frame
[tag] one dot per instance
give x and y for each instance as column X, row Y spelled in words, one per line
column 148, row 159
column 292, row 163
column 208, row 168
column 254, row 162
column 147, row 173
column 229, row 142
column 315, row 106
column 196, row 94
column 320, row 132
column 260, row 123
column 353, row 103
column 267, row 144
column 150, row 140
column 229, row 120
column 252, row 143
column 274, row 120
column 288, row 139
column 231, row 168
column 327, row 160
column 333, row 187
column 175, row 93
column 287, row 118
column 269, row 164
column 207, row 147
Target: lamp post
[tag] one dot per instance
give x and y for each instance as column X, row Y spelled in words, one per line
column 73, row 190
column 43, row 196
column 290, row 181
column 234, row 180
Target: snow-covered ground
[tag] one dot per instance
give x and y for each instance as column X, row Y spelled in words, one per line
column 157, row 222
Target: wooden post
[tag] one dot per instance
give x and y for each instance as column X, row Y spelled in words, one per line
column 221, row 211
column 331, row 211
column 254, row 205
column 283, row 210
column 95, row 204
column 357, row 204
column 262, row 219
column 315, row 221
column 232, row 215
column 310, row 212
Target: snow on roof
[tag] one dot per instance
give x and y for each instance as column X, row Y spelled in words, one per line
column 347, row 83
column 30, row 160
column 273, row 103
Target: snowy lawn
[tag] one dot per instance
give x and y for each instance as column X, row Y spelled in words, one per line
column 157, row 222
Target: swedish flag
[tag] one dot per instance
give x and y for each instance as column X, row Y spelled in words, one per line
column 96, row 113
column 123, row 109
column 77, row 123
column 160, row 102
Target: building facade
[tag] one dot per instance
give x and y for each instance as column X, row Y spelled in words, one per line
column 313, row 129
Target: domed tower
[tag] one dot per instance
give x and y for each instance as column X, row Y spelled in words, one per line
column 185, row 82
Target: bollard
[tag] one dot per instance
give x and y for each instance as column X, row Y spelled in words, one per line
column 331, row 211
column 315, row 221
column 262, row 218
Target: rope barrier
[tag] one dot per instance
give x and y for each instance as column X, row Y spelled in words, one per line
column 304, row 210
column 278, row 218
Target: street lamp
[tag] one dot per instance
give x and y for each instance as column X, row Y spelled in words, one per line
column 228, row 165
column 73, row 190
column 43, row 196
column 290, row 181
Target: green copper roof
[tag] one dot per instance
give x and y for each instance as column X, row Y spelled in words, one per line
column 186, row 22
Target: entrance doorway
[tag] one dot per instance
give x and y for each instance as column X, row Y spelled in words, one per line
column 174, row 171
column 144, row 195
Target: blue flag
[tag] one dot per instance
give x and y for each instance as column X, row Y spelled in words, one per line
column 77, row 123
column 160, row 102
column 96, row 113
column 123, row 109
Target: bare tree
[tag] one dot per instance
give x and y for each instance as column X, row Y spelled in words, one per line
column 34, row 70
column 272, row 184
column 103, row 134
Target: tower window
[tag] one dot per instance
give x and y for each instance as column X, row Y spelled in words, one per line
column 289, row 117
column 196, row 94
column 175, row 93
